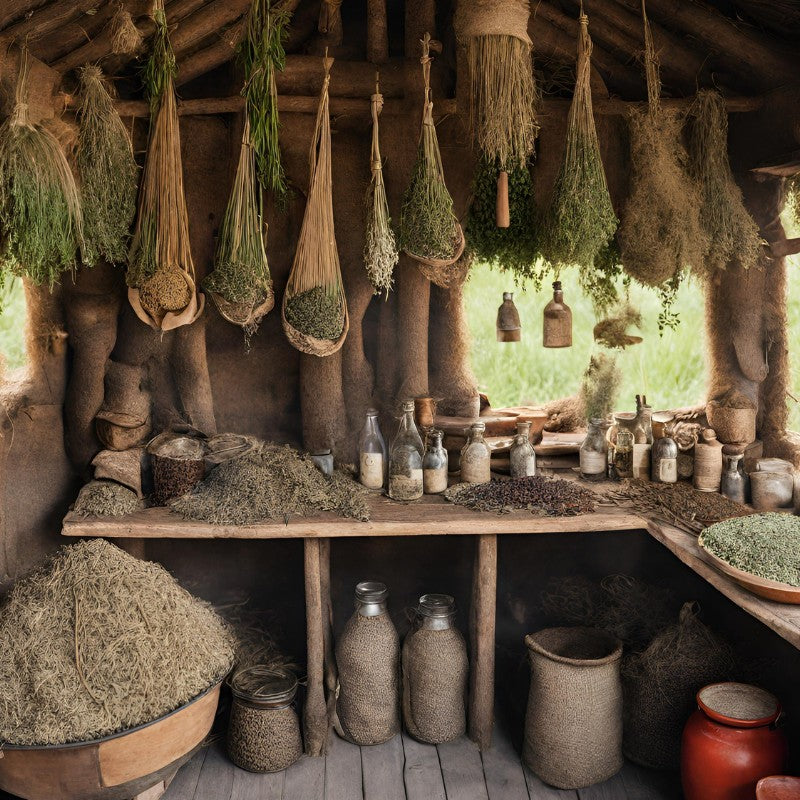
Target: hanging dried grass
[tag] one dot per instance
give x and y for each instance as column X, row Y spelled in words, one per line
column 580, row 221
column 160, row 267
column 108, row 172
column 241, row 284
column 600, row 386
column 126, row 38
column 429, row 229
column 40, row 207
column 380, row 248
column 612, row 331
column 314, row 304
column 732, row 232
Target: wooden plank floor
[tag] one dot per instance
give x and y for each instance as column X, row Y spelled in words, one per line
column 403, row 769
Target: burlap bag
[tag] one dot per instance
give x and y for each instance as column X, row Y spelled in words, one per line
column 492, row 18
column 573, row 725
column 368, row 660
column 435, row 671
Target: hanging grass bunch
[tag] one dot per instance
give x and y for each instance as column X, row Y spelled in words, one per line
column 660, row 235
column 108, row 172
column 40, row 207
column 515, row 248
column 600, row 386
column 612, row 330
column 429, row 230
column 261, row 53
column 240, row 284
column 314, row 305
column 580, row 221
column 126, row 38
column 380, row 247
column 732, row 232
column 160, row 267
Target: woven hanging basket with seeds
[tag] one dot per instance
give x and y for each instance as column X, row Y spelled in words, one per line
column 314, row 308
column 161, row 278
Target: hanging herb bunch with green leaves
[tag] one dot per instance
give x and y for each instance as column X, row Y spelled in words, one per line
column 580, row 222
column 108, row 171
column 40, row 207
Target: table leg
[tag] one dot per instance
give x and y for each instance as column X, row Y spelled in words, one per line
column 315, row 718
column 482, row 634
column 331, row 673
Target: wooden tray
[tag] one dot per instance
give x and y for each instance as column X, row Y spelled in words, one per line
column 770, row 590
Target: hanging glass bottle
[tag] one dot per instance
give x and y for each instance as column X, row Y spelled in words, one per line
column 434, row 465
column 508, row 325
column 476, row 457
column 557, row 320
column 372, row 458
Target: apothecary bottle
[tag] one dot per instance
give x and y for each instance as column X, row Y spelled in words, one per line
column 557, row 330
column 665, row 461
column 368, row 661
column 434, row 464
column 476, row 457
column 372, row 456
column 264, row 730
column 407, row 432
column 435, row 670
column 405, row 473
column 707, row 462
column 732, row 483
column 594, row 451
column 623, row 454
column 522, row 457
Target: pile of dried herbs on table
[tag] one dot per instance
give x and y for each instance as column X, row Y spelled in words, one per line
column 546, row 497
column 106, row 499
column 678, row 503
column 765, row 545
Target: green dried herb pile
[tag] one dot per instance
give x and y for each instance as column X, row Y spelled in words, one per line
column 765, row 545
column 106, row 499
column 317, row 312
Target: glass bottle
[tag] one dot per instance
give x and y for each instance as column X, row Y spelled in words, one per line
column 557, row 320
column 522, row 456
column 594, row 451
column 372, row 453
column 407, row 432
column 665, row 461
column 732, row 481
column 434, row 464
column 508, row 326
column 643, row 439
column 623, row 454
column 476, row 457
column 405, row 473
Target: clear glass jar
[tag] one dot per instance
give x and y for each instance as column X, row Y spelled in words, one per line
column 522, row 457
column 368, row 662
column 434, row 464
column 264, row 730
column 405, row 473
column 372, row 460
column 476, row 457
column 623, row 454
column 594, row 451
column 665, row 461
column 407, row 431
column 732, row 483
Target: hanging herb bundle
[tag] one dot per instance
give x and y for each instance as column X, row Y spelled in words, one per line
column 429, row 230
column 40, row 208
column 660, row 235
column 380, row 247
column 240, row 284
column 612, row 330
column 160, row 269
column 515, row 248
column 732, row 232
column 580, row 221
column 600, row 386
column 314, row 305
column 262, row 54
column 126, row 38
column 108, row 172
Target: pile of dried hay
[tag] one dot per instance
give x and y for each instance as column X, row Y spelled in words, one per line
column 96, row 642
column 106, row 499
column 271, row 482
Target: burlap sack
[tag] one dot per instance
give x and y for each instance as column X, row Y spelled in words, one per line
column 492, row 17
column 368, row 659
column 573, row 726
column 435, row 671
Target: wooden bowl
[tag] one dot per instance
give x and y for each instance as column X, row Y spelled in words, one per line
column 116, row 767
column 770, row 590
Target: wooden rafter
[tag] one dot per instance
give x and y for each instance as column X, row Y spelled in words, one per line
column 14, row 10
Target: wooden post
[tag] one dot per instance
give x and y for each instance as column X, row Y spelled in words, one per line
column 315, row 718
column 377, row 34
column 329, row 657
column 482, row 628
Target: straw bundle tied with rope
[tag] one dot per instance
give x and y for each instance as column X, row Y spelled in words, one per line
column 380, row 247
column 315, row 315
column 429, row 230
column 108, row 171
column 161, row 276
column 580, row 221
column 40, row 206
column 126, row 38
column 240, row 285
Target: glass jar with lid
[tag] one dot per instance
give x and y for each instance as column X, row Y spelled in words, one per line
column 594, row 451
column 372, row 456
column 476, row 457
column 434, row 464
column 264, row 730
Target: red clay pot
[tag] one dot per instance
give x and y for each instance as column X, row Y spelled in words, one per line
column 723, row 756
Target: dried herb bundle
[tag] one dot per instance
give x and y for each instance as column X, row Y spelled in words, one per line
column 40, row 208
column 126, row 38
column 261, row 53
column 600, row 386
column 612, row 331
column 96, row 641
column 108, row 172
column 732, row 232
column 580, row 221
column 380, row 248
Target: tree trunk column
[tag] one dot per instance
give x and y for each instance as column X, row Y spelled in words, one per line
column 315, row 717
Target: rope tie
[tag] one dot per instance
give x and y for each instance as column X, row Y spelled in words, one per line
column 376, row 106
column 426, row 60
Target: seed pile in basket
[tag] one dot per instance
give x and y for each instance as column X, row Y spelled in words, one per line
column 96, row 642
column 678, row 503
column 765, row 545
column 542, row 496
column 271, row 482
